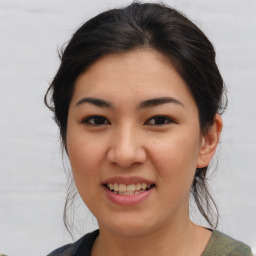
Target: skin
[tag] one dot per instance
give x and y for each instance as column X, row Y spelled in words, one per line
column 129, row 141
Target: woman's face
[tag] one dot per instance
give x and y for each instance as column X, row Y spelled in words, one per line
column 133, row 123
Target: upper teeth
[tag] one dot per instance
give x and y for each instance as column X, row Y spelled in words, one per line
column 128, row 188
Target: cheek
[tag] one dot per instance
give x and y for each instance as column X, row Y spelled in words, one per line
column 84, row 159
column 83, row 155
column 175, row 158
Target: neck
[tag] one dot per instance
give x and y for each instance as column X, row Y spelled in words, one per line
column 186, row 239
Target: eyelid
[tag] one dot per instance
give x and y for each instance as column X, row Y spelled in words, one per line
column 169, row 120
column 91, row 117
column 86, row 121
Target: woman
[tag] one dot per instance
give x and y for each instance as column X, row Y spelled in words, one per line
column 138, row 98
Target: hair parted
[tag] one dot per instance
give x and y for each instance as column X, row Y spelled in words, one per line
column 145, row 25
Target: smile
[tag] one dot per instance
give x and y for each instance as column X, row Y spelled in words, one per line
column 129, row 189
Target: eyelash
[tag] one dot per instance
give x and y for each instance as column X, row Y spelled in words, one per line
column 166, row 120
column 104, row 121
column 99, row 118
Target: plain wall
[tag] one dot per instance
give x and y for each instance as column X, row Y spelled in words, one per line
column 32, row 180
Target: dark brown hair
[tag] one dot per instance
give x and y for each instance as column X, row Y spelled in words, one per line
column 146, row 25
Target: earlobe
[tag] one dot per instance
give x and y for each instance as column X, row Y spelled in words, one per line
column 210, row 142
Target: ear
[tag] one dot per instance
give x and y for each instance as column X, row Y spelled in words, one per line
column 210, row 142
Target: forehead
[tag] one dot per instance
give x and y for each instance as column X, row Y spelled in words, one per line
column 144, row 60
column 137, row 74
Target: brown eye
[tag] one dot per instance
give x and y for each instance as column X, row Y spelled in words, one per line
column 159, row 120
column 95, row 120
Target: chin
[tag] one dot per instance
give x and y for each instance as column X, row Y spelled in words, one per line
column 128, row 226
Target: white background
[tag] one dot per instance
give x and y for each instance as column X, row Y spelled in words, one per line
column 32, row 180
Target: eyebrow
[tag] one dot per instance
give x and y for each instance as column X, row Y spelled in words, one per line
column 158, row 101
column 144, row 104
column 95, row 101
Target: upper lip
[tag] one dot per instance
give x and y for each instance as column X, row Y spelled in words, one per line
column 127, row 180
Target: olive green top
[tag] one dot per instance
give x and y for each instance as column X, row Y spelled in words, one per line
column 223, row 245
column 219, row 245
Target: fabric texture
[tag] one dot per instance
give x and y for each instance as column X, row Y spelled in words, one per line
column 223, row 245
column 219, row 245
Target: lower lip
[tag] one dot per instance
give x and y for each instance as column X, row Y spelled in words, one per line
column 127, row 200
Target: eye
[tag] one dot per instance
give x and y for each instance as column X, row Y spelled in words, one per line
column 159, row 120
column 95, row 120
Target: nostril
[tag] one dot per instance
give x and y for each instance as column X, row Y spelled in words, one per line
column 126, row 158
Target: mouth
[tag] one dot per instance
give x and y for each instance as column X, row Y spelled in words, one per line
column 129, row 189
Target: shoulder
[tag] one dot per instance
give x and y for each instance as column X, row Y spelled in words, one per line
column 65, row 250
column 223, row 245
column 84, row 243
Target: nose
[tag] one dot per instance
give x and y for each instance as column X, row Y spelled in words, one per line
column 126, row 148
